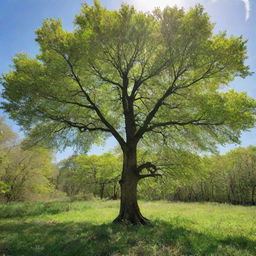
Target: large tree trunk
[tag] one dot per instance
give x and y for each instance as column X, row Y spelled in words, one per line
column 129, row 209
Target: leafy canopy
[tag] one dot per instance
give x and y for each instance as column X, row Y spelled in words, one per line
column 134, row 75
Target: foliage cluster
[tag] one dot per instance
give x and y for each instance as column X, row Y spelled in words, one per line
column 83, row 175
column 24, row 174
column 227, row 178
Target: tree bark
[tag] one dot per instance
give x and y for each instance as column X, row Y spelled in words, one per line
column 129, row 209
column 114, row 197
column 252, row 195
column 102, row 186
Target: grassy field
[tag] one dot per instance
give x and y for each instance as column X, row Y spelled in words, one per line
column 85, row 228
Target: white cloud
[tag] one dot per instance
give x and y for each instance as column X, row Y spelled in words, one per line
column 247, row 9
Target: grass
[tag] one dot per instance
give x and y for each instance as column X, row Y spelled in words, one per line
column 85, row 228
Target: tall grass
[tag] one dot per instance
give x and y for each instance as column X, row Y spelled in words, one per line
column 85, row 228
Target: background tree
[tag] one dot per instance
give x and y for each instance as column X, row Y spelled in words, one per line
column 27, row 174
column 24, row 174
column 229, row 178
column 179, row 168
column 135, row 76
column 7, row 138
column 66, row 180
column 85, row 174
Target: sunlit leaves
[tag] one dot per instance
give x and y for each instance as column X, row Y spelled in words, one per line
column 86, row 82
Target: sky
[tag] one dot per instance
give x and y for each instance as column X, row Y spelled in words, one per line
column 20, row 18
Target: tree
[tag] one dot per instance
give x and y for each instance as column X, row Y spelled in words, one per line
column 7, row 138
column 229, row 178
column 240, row 166
column 136, row 76
column 179, row 168
column 66, row 179
column 27, row 174
column 103, row 170
column 23, row 173
column 95, row 174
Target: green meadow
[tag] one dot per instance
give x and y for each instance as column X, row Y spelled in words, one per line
column 85, row 228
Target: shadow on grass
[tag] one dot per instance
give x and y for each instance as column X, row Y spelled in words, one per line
column 161, row 238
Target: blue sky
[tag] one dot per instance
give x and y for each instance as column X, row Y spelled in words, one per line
column 20, row 18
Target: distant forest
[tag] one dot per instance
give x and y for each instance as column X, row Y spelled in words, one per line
column 32, row 175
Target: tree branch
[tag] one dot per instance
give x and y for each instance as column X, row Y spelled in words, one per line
column 141, row 80
column 159, row 103
column 150, row 175
column 172, row 89
column 104, row 78
column 151, row 168
column 94, row 106
column 192, row 122
column 82, row 127
column 51, row 97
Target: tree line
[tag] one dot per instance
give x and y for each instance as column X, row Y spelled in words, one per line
column 31, row 174
column 229, row 178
